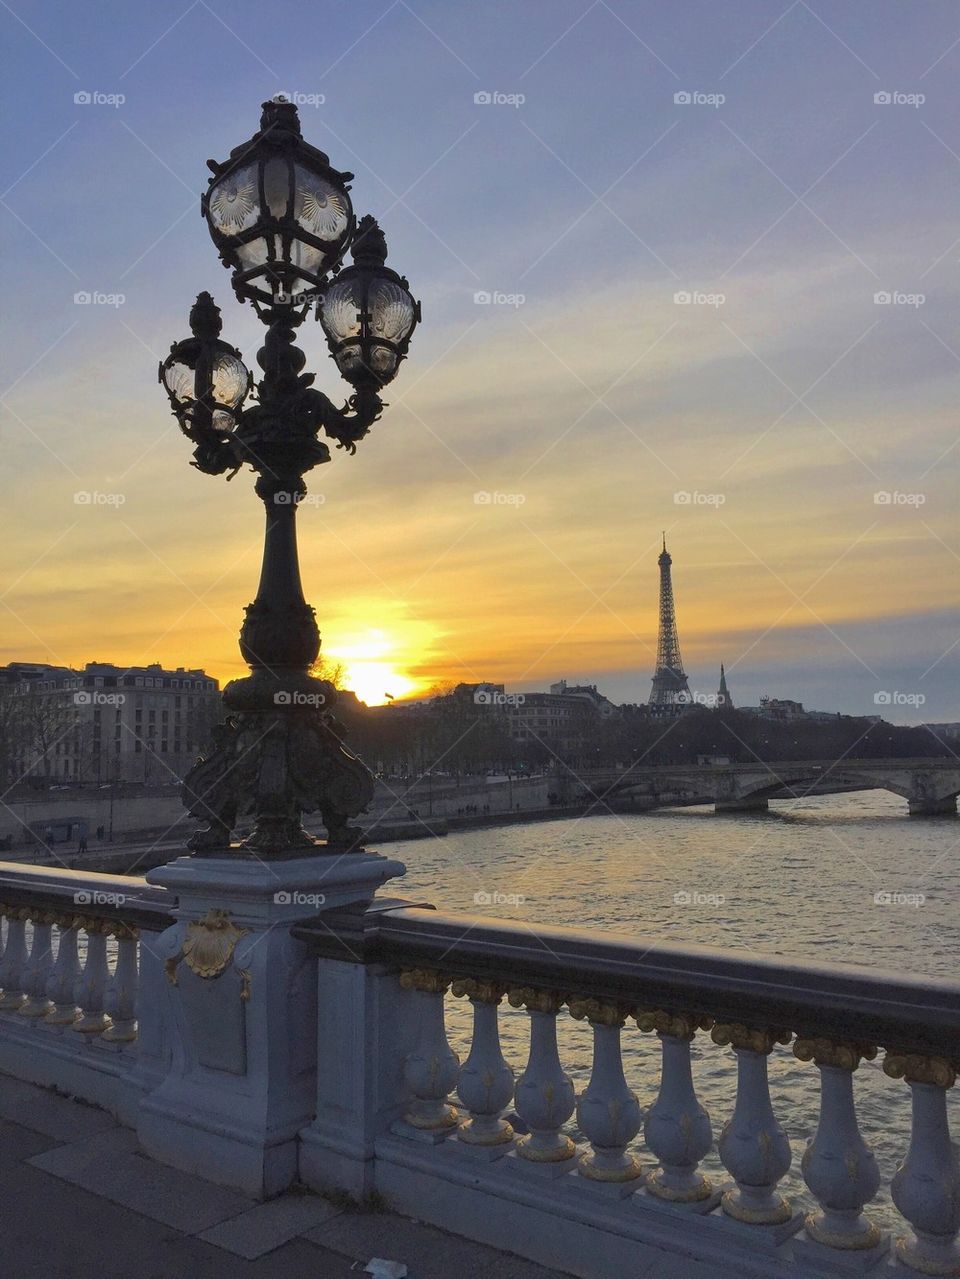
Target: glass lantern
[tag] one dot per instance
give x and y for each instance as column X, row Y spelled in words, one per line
column 204, row 377
column 278, row 213
column 368, row 313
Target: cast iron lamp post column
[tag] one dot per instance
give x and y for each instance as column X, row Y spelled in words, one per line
column 281, row 217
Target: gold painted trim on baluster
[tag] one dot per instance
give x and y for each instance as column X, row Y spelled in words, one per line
column 599, row 1012
column 756, row 1216
column 535, row 1000
column 37, row 1006
column 12, row 999
column 843, row 1053
column 629, row 1172
column 603, row 1012
column 428, row 980
column 67, row 922
column 120, row 1035
column 479, row 989
column 753, row 1039
column 540, row 1001
column 123, row 932
column 916, row 1068
column 846, row 1243
column 676, row 1025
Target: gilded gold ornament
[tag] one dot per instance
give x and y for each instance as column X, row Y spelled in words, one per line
column 845, row 1054
column 481, row 990
column 599, row 1012
column 534, row 1000
column 677, row 1025
column 753, row 1039
column 918, row 1069
column 426, row 979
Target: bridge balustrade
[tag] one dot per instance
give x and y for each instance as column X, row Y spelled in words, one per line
column 507, row 1153
column 74, row 944
column 612, row 1178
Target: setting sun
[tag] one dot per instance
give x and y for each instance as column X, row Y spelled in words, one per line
column 371, row 663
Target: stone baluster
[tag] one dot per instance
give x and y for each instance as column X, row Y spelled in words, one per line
column 608, row 1112
column 431, row 1070
column 544, row 1096
column 753, row 1147
column 14, row 958
column 37, row 971
column 676, row 1127
column 486, row 1081
column 62, row 981
column 92, row 982
column 121, row 998
column 926, row 1186
column 837, row 1165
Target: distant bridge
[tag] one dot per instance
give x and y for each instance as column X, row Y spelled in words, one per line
column 930, row 786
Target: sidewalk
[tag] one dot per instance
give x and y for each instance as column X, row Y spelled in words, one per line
column 80, row 1200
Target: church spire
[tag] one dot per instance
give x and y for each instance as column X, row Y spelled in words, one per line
column 723, row 695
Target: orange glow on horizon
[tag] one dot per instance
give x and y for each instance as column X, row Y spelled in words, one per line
column 375, row 666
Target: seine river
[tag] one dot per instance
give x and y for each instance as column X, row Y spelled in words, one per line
column 850, row 879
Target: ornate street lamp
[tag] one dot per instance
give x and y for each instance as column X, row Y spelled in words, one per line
column 368, row 313
column 278, row 213
column 207, row 382
column 282, row 220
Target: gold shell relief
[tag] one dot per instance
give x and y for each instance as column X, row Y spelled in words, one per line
column 208, row 946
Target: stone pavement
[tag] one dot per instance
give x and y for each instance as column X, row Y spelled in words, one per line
column 79, row 1200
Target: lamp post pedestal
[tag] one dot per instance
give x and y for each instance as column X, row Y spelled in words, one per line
column 233, row 1033
column 230, row 1072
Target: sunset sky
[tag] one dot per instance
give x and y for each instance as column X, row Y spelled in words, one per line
column 586, row 407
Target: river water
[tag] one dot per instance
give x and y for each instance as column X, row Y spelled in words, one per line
column 845, row 879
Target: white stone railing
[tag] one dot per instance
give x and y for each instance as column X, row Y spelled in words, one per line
column 70, row 961
column 257, row 1048
column 490, row 1150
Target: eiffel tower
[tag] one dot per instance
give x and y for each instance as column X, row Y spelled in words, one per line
column 670, row 690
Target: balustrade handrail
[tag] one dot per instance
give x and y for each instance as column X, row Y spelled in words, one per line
column 126, row 897
column 842, row 1002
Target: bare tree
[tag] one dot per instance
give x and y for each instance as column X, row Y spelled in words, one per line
column 46, row 719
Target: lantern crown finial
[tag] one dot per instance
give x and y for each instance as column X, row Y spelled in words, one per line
column 205, row 319
column 370, row 244
column 280, row 115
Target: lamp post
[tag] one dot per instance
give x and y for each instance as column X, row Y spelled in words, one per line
column 282, row 220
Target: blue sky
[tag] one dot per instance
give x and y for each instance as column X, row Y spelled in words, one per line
column 599, row 399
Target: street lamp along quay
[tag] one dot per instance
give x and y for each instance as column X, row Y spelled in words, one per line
column 282, row 219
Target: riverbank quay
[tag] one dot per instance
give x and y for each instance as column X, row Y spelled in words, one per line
column 143, row 852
